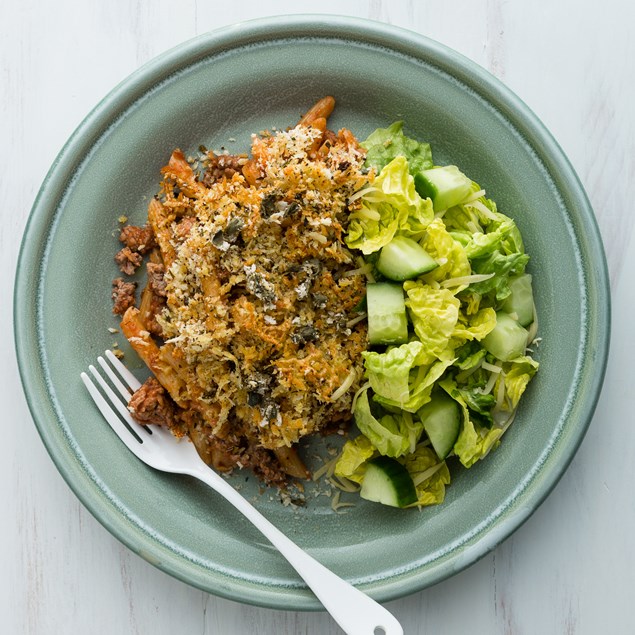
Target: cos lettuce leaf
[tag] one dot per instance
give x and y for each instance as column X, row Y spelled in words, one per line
column 480, row 405
column 512, row 241
column 393, row 434
column 463, row 221
column 390, row 205
column 445, row 249
column 420, row 385
column 481, row 245
column 434, row 314
column 352, row 461
column 474, row 216
column 418, row 219
column 477, row 326
column 388, row 373
column 482, row 229
column 475, row 441
column 518, row 373
column 468, row 355
column 429, row 476
column 503, row 267
column 369, row 233
column 384, row 144
column 471, row 302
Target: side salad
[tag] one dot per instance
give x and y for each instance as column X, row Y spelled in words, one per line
column 450, row 318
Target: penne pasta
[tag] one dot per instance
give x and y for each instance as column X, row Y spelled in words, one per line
column 252, row 172
column 147, row 349
column 321, row 110
column 182, row 172
column 160, row 223
column 145, row 306
column 155, row 257
column 319, row 124
column 291, row 462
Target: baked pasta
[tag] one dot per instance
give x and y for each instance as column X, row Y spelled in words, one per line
column 250, row 317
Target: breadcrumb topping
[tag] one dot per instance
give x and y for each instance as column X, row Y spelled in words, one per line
column 260, row 310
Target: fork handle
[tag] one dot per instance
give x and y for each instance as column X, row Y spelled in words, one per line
column 354, row 611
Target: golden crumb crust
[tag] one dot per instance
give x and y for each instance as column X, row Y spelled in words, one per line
column 261, row 294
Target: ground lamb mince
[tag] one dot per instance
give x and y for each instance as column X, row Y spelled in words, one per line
column 123, row 295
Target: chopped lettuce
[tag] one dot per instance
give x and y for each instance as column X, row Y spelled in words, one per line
column 390, row 205
column 369, row 233
column 469, row 355
column 463, row 221
column 477, row 326
column 518, row 372
column 420, row 384
column 472, row 302
column 393, row 434
column 428, row 474
column 481, row 228
column 475, row 216
column 351, row 463
column 447, row 251
column 441, row 328
column 469, row 241
column 418, row 219
column 503, row 267
column 479, row 404
column 385, row 144
column 481, row 245
column 492, row 243
column 388, row 373
column 434, row 314
column 475, row 441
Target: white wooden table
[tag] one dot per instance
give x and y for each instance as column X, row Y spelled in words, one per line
column 571, row 567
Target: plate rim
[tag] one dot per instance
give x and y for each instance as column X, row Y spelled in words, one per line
column 59, row 177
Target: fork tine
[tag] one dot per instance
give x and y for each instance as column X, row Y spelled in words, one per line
column 123, row 391
column 126, row 393
column 115, row 401
column 126, row 375
column 113, row 420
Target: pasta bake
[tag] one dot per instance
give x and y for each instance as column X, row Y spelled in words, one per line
column 250, row 318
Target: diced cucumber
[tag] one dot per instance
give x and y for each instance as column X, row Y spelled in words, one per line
column 387, row 321
column 521, row 300
column 403, row 259
column 441, row 418
column 446, row 186
column 387, row 481
column 507, row 340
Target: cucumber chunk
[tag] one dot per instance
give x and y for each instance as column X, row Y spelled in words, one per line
column 441, row 418
column 507, row 340
column 521, row 300
column 387, row 481
column 446, row 186
column 387, row 321
column 403, row 259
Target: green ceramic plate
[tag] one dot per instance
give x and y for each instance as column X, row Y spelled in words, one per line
column 226, row 85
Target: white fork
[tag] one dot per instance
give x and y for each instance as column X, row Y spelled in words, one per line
column 354, row 611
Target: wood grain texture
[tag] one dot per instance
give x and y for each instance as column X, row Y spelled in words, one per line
column 569, row 569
